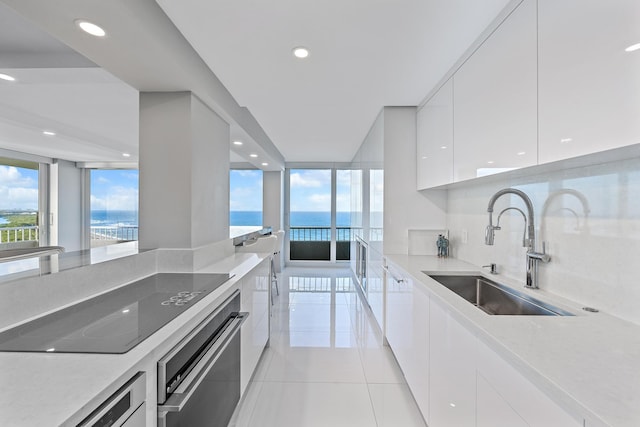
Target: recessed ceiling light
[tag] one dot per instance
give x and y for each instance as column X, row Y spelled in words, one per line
column 565, row 140
column 265, row 164
column 48, row 133
column 253, row 155
column 237, row 142
column 7, row 77
column 125, row 311
column 50, row 350
column 90, row 28
column 424, row 157
column 444, row 147
column 126, row 155
column 633, row 47
column 300, row 52
column 490, row 162
column 522, row 153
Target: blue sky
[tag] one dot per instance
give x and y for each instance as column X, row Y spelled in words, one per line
column 18, row 188
column 310, row 190
column 245, row 190
column 115, row 190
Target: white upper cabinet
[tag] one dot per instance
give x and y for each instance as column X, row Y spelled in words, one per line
column 435, row 139
column 495, row 100
column 589, row 85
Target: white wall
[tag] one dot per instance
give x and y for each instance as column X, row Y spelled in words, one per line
column 184, row 172
column 209, row 174
column 66, row 205
column 404, row 207
column 273, row 199
column 593, row 238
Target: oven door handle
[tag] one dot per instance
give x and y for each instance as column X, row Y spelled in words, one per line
column 181, row 395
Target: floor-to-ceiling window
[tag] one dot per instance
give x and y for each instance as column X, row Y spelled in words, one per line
column 310, row 214
column 245, row 201
column 113, row 206
column 19, row 201
column 320, row 214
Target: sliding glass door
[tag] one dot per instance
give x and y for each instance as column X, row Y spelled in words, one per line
column 320, row 215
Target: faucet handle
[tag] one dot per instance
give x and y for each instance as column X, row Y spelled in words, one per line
column 494, row 269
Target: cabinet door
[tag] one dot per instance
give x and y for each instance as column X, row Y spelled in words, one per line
column 495, row 100
column 589, row 84
column 255, row 330
column 408, row 334
column 452, row 368
column 518, row 393
column 493, row 410
column 435, row 139
column 375, row 286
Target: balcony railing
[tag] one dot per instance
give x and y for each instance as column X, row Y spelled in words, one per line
column 122, row 233
column 314, row 243
column 19, row 234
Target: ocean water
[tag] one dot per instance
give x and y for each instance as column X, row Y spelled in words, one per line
column 237, row 218
column 298, row 219
column 109, row 218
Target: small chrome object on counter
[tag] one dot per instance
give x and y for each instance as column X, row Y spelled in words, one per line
column 494, row 269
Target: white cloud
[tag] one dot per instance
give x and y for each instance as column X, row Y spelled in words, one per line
column 310, row 179
column 16, row 190
column 102, row 180
column 312, row 203
column 120, row 199
column 246, row 172
column 246, row 199
column 343, row 202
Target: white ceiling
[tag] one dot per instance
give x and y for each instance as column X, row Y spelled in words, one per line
column 365, row 54
column 94, row 115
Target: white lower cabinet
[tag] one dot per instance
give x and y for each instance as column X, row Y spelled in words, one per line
column 375, row 286
column 456, row 379
column 407, row 332
column 452, row 381
column 255, row 330
column 493, row 410
column 516, row 393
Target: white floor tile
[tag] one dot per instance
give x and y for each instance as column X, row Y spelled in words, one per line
column 313, row 339
column 326, row 364
column 242, row 416
column 313, row 405
column 380, row 366
column 318, row 317
column 340, row 365
column 394, row 406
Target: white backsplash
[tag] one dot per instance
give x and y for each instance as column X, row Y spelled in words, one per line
column 589, row 218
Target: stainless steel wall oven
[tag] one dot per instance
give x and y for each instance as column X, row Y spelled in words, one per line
column 199, row 379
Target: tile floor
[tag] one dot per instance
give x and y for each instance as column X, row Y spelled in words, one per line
column 326, row 365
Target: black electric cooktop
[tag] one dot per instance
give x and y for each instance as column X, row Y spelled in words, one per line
column 114, row 322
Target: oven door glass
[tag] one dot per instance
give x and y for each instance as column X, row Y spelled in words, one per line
column 213, row 402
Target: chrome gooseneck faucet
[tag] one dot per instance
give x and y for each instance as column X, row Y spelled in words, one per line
column 533, row 257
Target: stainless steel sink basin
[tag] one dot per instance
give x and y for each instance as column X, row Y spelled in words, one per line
column 493, row 298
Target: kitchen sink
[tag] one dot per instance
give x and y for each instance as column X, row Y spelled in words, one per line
column 494, row 298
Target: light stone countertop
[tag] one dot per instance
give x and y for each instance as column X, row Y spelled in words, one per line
column 41, row 389
column 589, row 363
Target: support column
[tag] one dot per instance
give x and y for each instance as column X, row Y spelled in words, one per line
column 273, row 206
column 184, row 172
